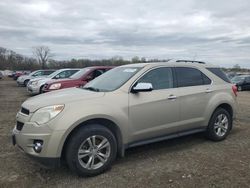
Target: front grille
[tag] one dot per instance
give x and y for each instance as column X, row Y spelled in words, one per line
column 25, row 111
column 19, row 125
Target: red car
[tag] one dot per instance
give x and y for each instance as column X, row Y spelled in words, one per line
column 78, row 79
column 17, row 74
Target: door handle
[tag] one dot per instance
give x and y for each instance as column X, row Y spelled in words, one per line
column 171, row 97
column 209, row 91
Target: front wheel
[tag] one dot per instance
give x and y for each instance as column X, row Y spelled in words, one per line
column 220, row 125
column 91, row 150
column 25, row 82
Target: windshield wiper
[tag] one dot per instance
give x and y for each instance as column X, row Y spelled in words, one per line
column 91, row 89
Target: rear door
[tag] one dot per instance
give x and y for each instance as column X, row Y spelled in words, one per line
column 194, row 92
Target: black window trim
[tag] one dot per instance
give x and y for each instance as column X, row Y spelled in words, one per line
column 176, row 79
column 153, row 68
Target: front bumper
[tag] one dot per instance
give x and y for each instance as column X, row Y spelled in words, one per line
column 33, row 89
column 47, row 162
column 26, row 134
column 20, row 83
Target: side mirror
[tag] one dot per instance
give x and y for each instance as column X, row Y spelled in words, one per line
column 142, row 87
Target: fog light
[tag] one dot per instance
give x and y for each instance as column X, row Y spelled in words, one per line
column 38, row 145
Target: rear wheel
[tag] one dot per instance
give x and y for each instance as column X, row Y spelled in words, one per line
column 220, row 125
column 91, row 150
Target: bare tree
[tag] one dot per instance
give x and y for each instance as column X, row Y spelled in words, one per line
column 43, row 54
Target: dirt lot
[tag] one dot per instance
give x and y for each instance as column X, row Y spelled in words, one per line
column 190, row 161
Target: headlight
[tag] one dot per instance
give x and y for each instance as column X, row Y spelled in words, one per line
column 34, row 83
column 45, row 114
column 55, row 86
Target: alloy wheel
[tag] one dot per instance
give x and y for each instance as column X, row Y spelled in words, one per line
column 94, row 152
column 221, row 125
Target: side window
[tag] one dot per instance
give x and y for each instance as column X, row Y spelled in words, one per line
column 62, row 74
column 206, row 80
column 218, row 72
column 97, row 73
column 72, row 72
column 160, row 78
column 39, row 73
column 188, row 77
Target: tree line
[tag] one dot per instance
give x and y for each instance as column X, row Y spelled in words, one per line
column 10, row 60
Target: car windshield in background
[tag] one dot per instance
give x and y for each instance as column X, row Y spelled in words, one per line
column 112, row 79
column 54, row 74
column 79, row 74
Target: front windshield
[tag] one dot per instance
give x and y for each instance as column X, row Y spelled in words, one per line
column 238, row 79
column 54, row 74
column 113, row 79
column 79, row 74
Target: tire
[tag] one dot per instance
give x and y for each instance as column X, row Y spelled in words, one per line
column 215, row 126
column 41, row 89
column 80, row 140
column 25, row 83
column 239, row 88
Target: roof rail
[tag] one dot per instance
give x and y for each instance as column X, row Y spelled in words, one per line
column 190, row 61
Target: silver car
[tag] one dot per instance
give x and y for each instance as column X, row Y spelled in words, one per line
column 24, row 79
column 126, row 107
column 36, row 85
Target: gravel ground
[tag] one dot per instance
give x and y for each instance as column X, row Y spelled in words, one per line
column 190, row 161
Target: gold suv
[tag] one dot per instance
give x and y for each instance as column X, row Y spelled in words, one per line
column 128, row 106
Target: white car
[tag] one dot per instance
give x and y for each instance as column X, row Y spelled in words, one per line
column 24, row 79
column 36, row 85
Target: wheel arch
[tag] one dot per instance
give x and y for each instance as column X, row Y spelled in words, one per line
column 113, row 127
column 228, row 107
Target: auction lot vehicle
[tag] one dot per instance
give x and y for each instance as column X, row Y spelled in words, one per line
column 17, row 74
column 128, row 106
column 77, row 80
column 36, row 85
column 242, row 82
column 24, row 79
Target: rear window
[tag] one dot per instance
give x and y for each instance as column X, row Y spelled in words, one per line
column 218, row 72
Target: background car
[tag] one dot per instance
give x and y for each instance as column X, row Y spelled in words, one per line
column 79, row 79
column 17, row 74
column 1, row 75
column 242, row 82
column 24, row 79
column 36, row 85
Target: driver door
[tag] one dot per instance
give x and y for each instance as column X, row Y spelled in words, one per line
column 154, row 113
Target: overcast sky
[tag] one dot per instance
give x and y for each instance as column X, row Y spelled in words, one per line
column 217, row 31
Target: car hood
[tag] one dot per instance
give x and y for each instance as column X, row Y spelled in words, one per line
column 39, row 78
column 60, row 97
column 23, row 77
column 60, row 81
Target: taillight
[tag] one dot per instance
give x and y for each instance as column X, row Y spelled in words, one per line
column 235, row 90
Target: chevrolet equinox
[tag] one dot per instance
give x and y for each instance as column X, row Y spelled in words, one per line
column 128, row 106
